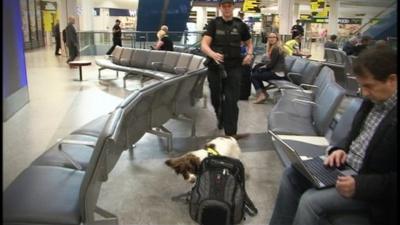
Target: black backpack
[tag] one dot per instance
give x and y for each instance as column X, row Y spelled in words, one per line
column 219, row 196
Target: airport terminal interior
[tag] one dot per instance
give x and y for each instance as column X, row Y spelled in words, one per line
column 46, row 100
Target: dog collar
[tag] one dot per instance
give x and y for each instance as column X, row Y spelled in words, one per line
column 212, row 151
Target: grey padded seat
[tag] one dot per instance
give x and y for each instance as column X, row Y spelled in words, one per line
column 316, row 124
column 307, row 76
column 139, row 59
column 78, row 152
column 286, row 103
column 306, row 91
column 196, row 63
column 304, row 146
column 183, row 63
column 44, row 195
column 163, row 103
column 94, row 127
column 126, row 56
column 70, row 195
column 289, row 61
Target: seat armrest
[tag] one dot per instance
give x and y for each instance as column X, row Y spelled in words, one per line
column 156, row 65
column 309, row 86
column 78, row 142
column 302, row 101
column 287, row 87
column 180, row 70
column 293, row 77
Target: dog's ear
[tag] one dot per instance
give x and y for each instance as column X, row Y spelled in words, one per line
column 195, row 162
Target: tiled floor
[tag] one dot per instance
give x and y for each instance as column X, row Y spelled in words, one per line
column 58, row 105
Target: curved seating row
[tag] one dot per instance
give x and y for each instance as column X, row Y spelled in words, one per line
column 339, row 62
column 62, row 185
column 153, row 64
column 299, row 71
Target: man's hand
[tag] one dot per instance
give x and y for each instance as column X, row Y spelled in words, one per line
column 217, row 57
column 346, row 186
column 247, row 59
column 337, row 158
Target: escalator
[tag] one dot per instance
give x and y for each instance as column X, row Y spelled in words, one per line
column 386, row 25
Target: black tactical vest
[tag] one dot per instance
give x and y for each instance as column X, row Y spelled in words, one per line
column 227, row 38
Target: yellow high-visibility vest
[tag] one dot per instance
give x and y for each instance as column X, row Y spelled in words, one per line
column 289, row 46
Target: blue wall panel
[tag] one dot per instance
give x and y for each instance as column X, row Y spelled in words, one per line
column 150, row 15
column 14, row 69
column 177, row 15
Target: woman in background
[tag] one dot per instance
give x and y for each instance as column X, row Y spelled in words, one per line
column 164, row 43
column 274, row 70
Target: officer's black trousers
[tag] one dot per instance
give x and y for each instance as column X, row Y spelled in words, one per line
column 225, row 95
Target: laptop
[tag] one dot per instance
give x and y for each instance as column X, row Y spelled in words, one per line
column 313, row 168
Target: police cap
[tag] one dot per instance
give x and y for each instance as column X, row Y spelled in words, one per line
column 226, row 1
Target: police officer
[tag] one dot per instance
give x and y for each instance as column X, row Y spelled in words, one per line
column 221, row 44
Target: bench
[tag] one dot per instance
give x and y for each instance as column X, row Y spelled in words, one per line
column 153, row 64
column 68, row 176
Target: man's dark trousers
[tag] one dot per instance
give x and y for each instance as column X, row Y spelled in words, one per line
column 73, row 52
column 227, row 90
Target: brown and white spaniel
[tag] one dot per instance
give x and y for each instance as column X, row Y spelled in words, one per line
column 187, row 164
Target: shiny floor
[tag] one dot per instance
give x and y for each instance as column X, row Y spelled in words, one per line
column 59, row 104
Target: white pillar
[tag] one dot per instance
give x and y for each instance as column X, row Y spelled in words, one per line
column 285, row 10
column 201, row 18
column 85, row 13
column 333, row 16
column 296, row 13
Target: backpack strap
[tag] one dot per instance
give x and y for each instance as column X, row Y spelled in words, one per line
column 249, row 206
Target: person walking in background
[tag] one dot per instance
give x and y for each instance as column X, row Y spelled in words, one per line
column 292, row 47
column 274, row 70
column 221, row 44
column 297, row 30
column 370, row 149
column 64, row 38
column 72, row 39
column 349, row 45
column 331, row 43
column 164, row 43
column 116, row 32
column 57, row 37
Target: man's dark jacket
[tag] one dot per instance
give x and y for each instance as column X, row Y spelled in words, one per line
column 376, row 182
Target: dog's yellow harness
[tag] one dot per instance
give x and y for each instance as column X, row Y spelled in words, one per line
column 212, row 151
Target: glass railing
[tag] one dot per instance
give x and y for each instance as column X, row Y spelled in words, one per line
column 98, row 42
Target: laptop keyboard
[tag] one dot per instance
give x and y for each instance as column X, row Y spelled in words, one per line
column 327, row 175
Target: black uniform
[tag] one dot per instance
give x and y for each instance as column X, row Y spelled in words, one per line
column 226, row 38
column 116, row 38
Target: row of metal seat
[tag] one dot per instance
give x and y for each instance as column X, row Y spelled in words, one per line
column 146, row 63
column 341, row 64
column 62, row 185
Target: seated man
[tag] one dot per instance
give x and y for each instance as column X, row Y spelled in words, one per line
column 364, row 44
column 291, row 47
column 370, row 149
column 331, row 42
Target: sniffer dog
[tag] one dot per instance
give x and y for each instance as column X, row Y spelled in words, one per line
column 187, row 164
